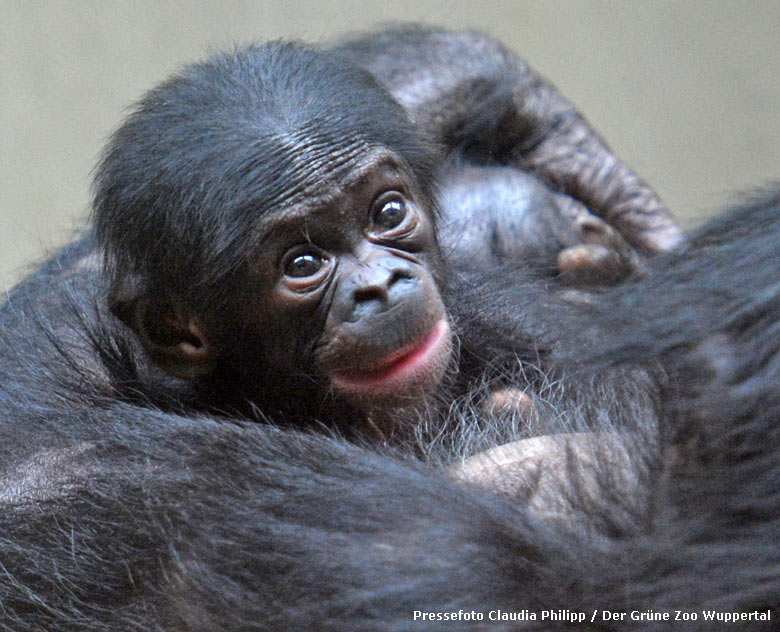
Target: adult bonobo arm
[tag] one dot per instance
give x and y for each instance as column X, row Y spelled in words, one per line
column 471, row 93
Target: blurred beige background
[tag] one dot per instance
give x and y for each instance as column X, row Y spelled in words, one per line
column 687, row 92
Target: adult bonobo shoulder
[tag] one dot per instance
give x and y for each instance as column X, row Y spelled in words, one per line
column 268, row 219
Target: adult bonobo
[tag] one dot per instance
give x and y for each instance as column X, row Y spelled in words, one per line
column 268, row 219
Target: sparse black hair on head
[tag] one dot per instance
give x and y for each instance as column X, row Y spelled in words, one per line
column 227, row 140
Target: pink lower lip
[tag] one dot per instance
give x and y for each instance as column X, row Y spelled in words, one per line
column 398, row 365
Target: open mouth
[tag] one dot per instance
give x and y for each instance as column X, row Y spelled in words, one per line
column 401, row 368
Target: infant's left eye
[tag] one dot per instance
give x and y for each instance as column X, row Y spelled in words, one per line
column 389, row 214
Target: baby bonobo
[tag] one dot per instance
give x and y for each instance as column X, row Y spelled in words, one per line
column 269, row 222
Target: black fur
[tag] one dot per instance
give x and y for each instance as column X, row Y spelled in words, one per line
column 122, row 517
column 129, row 506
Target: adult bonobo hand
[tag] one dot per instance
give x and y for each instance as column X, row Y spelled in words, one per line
column 475, row 97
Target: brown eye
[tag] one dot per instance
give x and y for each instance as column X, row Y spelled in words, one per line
column 304, row 265
column 388, row 213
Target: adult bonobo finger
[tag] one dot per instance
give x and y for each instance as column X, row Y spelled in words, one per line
column 574, row 160
column 601, row 256
column 549, row 472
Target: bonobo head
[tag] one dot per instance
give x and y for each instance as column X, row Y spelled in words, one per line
column 268, row 227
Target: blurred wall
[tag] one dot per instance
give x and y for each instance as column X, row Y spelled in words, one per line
column 687, row 92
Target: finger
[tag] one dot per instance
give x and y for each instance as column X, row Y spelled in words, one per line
column 573, row 160
column 552, row 473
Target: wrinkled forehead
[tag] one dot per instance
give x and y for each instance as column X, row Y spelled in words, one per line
column 304, row 163
column 368, row 168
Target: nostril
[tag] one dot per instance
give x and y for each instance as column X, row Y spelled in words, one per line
column 400, row 274
column 371, row 293
column 368, row 301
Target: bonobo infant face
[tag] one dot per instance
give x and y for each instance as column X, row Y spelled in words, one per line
column 267, row 219
column 337, row 293
column 360, row 265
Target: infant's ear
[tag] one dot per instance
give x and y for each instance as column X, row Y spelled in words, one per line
column 172, row 336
